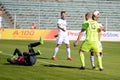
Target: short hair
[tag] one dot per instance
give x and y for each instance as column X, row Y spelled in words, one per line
column 62, row 12
column 93, row 16
column 88, row 14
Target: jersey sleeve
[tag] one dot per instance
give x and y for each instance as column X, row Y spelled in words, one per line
column 100, row 25
column 0, row 19
column 59, row 21
column 85, row 25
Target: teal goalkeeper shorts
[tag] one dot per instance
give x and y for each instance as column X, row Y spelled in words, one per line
column 86, row 46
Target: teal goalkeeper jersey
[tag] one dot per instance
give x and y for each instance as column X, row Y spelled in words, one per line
column 91, row 27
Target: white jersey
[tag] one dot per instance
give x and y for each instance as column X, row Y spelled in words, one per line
column 100, row 25
column 100, row 44
column 62, row 35
column 63, row 24
column 0, row 21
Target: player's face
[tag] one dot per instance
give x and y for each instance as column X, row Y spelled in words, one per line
column 96, row 18
column 63, row 15
column 1, row 12
column 88, row 16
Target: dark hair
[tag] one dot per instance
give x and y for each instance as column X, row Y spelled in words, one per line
column 62, row 12
column 93, row 16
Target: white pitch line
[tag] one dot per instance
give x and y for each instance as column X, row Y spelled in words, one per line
column 45, row 62
column 5, row 54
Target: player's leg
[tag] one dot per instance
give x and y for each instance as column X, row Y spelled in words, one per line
column 82, row 59
column 35, row 44
column 67, row 43
column 100, row 45
column 99, row 58
column 85, row 47
column 92, row 59
column 18, row 52
column 31, row 54
column 58, row 42
column 68, row 52
column 31, row 50
column 31, row 45
column 101, row 54
column 56, row 51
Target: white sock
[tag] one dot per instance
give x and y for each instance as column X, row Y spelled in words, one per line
column 92, row 60
column 55, row 52
column 68, row 52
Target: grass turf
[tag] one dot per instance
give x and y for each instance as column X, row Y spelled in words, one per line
column 62, row 69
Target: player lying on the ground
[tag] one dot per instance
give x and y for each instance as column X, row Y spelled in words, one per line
column 27, row 58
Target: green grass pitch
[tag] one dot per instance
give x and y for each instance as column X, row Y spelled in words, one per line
column 62, row 69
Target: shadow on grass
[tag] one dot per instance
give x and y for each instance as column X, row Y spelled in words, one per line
column 60, row 66
column 9, row 64
column 43, row 58
column 12, row 64
column 64, row 66
column 6, row 64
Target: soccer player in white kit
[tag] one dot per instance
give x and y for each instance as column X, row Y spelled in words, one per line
column 62, row 37
column 0, row 18
column 1, row 23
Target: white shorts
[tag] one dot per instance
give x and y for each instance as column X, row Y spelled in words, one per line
column 62, row 40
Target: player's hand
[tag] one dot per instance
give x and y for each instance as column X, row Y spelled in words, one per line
column 56, row 35
column 75, row 43
column 63, row 29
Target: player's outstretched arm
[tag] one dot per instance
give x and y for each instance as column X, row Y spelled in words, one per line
column 79, row 37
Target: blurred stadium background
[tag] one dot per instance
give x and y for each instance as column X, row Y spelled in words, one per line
column 21, row 14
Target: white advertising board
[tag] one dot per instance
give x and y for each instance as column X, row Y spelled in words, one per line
column 105, row 36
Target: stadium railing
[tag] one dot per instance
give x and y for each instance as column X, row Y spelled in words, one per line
column 48, row 12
